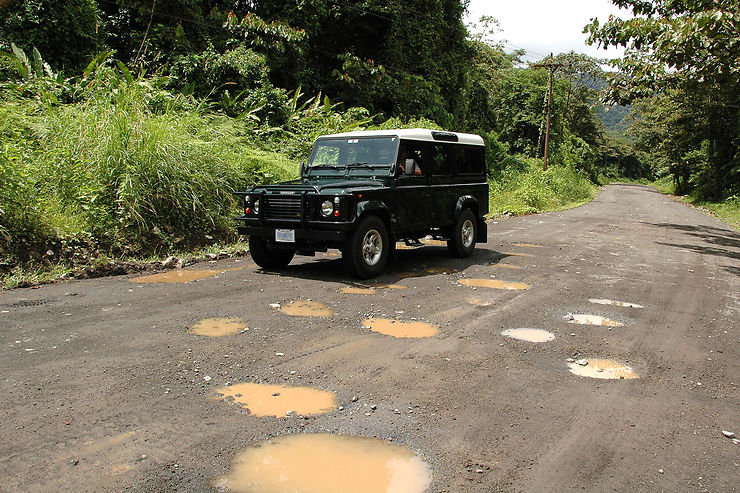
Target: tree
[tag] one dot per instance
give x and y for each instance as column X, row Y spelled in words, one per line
column 686, row 54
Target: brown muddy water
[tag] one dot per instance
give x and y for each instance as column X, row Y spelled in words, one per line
column 604, row 369
column 369, row 289
column 585, row 319
column 505, row 266
column 440, row 270
column 305, row 308
column 529, row 335
column 599, row 301
column 326, row 463
column 279, row 400
column 494, row 284
column 218, row 327
column 527, row 245
column 516, row 254
column 399, row 329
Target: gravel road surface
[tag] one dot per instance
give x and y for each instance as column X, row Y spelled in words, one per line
column 109, row 384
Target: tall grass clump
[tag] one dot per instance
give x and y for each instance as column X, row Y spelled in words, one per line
column 523, row 187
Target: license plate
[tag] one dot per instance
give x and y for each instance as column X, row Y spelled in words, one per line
column 285, row 235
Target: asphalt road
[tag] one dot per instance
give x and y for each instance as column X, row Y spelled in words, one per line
column 104, row 387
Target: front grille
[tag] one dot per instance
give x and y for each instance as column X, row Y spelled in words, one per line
column 279, row 206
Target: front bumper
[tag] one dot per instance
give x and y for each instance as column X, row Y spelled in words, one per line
column 313, row 232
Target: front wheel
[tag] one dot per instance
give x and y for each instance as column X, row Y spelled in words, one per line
column 266, row 256
column 366, row 252
column 464, row 235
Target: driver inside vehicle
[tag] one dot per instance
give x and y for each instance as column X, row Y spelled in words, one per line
column 408, row 163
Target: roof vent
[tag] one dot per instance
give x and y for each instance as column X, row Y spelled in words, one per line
column 448, row 136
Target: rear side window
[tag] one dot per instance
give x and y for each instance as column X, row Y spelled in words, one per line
column 469, row 160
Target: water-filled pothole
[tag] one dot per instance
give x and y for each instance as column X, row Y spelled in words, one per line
column 305, row 308
column 325, row 463
column 396, row 328
column 381, row 285
column 494, row 284
column 440, row 270
column 358, row 290
column 517, row 254
column 176, row 276
column 406, row 275
column 529, row 335
column 584, row 319
column 527, row 245
column 504, row 266
column 615, row 303
column 279, row 400
column 218, row 327
column 602, row 368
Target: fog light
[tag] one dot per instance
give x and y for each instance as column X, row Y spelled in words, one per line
column 327, row 208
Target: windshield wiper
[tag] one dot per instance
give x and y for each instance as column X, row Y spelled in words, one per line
column 321, row 166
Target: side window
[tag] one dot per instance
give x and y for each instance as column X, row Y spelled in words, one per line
column 439, row 160
column 469, row 160
column 413, row 159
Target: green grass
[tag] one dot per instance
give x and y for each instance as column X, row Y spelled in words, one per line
column 527, row 189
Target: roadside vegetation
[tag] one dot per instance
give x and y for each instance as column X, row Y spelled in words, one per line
column 124, row 132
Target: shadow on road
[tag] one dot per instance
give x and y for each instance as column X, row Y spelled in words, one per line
column 419, row 262
column 717, row 238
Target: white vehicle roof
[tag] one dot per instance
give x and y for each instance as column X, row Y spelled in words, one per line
column 412, row 134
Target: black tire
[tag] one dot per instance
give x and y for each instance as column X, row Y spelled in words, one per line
column 366, row 253
column 266, row 256
column 464, row 235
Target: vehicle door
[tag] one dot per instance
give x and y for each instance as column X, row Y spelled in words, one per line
column 412, row 186
column 442, row 192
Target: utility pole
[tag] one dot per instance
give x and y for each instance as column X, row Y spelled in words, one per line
column 552, row 66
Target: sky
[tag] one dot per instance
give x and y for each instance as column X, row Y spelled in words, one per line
column 545, row 26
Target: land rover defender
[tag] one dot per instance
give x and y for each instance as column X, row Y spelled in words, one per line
column 361, row 192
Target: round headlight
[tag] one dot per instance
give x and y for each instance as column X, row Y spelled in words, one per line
column 256, row 206
column 327, row 208
column 247, row 198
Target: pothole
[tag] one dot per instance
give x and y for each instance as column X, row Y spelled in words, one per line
column 494, row 284
column 305, row 308
column 380, row 285
column 602, row 368
column 529, row 335
column 614, row 303
column 218, row 327
column 433, row 242
column 399, row 329
column 406, row 275
column 176, row 276
column 356, row 290
column 440, row 270
column 479, row 302
column 325, row 463
column 517, row 254
column 527, row 245
column 505, row 266
column 279, row 400
column 584, row 319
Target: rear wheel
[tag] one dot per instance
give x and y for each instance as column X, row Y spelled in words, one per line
column 464, row 235
column 366, row 252
column 267, row 256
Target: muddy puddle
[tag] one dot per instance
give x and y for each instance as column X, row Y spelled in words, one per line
column 370, row 289
column 440, row 270
column 479, row 302
column 527, row 245
column 399, row 329
column 585, row 319
column 505, row 266
column 494, row 284
column 517, row 254
column 305, row 308
column 529, row 335
column 279, row 400
column 602, row 368
column 218, row 327
column 625, row 304
column 406, row 275
column 325, row 463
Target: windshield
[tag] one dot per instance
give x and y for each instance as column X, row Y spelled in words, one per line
column 343, row 154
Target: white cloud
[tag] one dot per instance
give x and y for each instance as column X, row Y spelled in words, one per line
column 547, row 26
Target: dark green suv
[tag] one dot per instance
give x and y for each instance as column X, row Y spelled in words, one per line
column 361, row 192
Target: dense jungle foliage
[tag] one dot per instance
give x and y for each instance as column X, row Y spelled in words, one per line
column 125, row 125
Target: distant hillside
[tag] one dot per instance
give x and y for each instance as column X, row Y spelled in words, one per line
column 613, row 118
